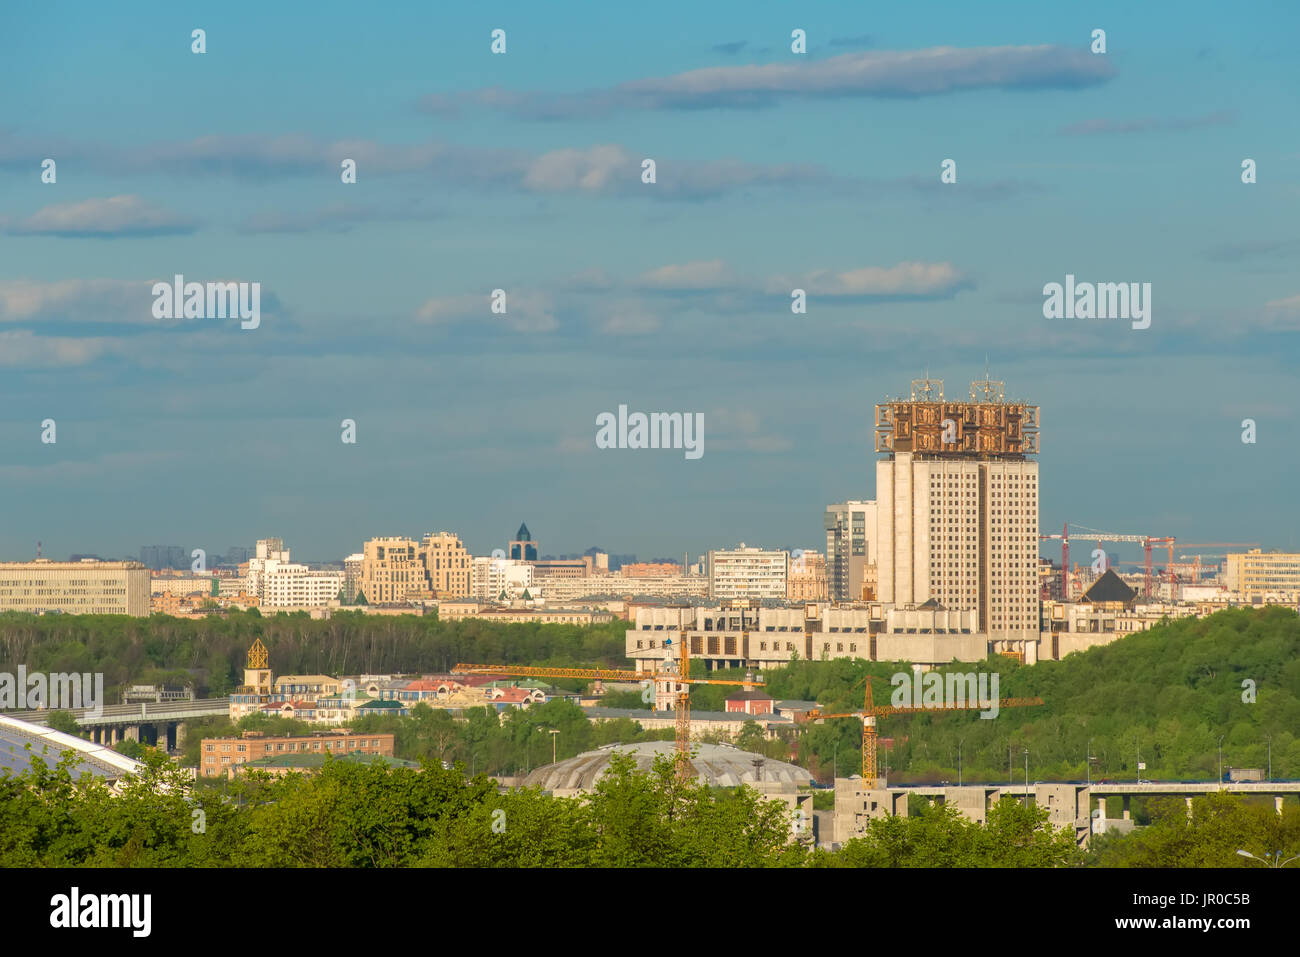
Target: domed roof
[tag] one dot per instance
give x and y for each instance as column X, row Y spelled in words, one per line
column 718, row 765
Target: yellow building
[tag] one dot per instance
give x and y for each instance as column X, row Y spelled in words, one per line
column 395, row 570
column 87, row 587
column 1257, row 576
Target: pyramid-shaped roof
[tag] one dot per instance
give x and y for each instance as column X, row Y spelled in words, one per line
column 1109, row 587
column 522, row 535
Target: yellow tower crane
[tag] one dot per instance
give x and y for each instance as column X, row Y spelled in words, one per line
column 870, row 712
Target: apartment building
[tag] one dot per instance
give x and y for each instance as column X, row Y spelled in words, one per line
column 807, row 578
column 390, row 567
column 446, row 565
column 497, row 579
column 86, row 587
column 747, row 572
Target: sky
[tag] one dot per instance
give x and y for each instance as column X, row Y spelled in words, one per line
column 523, row 171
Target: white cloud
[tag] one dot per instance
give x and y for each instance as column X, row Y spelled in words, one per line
column 103, row 217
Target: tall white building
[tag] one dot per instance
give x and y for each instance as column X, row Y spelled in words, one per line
column 747, row 572
column 957, row 507
column 279, row 582
column 494, row 576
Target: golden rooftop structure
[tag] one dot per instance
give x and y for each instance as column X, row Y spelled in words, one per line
column 985, row 426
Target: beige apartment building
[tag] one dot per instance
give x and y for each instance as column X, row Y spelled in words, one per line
column 87, row 587
column 401, row 569
column 1256, row 576
column 446, row 565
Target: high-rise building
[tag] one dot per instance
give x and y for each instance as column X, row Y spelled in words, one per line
column 957, row 507
column 497, row 579
column 747, row 572
column 850, row 537
column 352, row 576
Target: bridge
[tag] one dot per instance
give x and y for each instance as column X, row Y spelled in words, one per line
column 150, row 722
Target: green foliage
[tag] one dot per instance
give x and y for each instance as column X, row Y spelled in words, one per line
column 63, row 721
column 1220, row 824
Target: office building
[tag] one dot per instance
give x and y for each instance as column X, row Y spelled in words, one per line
column 850, row 536
column 523, row 548
column 87, row 587
column 957, row 507
column 158, row 557
column 1259, row 577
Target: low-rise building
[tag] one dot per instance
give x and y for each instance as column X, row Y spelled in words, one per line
column 218, row 756
column 87, row 587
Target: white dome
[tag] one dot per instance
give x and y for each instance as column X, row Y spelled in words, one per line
column 718, row 765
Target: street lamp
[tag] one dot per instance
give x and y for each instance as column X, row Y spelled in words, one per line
column 1270, row 757
column 554, row 732
column 1087, row 759
column 1026, row 777
column 1270, row 862
column 960, row 741
column 1220, row 786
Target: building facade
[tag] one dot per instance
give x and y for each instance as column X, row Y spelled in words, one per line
column 957, row 507
column 747, row 572
column 87, row 587
column 850, row 535
column 1256, row 576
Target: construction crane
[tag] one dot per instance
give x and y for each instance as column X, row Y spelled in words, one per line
column 1092, row 534
column 1196, row 565
column 680, row 676
column 870, row 712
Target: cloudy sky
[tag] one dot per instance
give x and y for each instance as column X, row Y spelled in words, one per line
column 523, row 172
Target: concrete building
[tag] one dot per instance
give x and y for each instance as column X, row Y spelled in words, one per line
column 650, row 570
column 741, row 634
column 500, row 579
column 855, row 807
column 468, row 608
column 957, row 508
column 1257, row 577
column 747, row 572
column 850, row 535
column 297, row 586
column 87, row 587
column 220, row 756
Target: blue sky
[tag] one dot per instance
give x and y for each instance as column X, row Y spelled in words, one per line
column 522, row 171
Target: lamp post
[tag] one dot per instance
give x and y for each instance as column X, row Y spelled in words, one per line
column 1026, row 777
column 554, row 732
column 1087, row 759
column 960, row 741
column 1275, row 861
column 1220, row 785
column 1270, row 757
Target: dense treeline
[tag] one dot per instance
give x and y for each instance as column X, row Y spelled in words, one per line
column 213, row 650
column 1163, row 697
column 352, row 815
